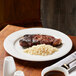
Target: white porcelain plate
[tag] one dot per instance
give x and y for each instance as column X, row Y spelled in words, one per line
column 11, row 44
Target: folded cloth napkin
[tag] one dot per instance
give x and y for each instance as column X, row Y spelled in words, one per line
column 66, row 60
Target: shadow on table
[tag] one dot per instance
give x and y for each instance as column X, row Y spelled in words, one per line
column 42, row 64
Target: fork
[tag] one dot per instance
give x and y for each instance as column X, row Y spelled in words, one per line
column 66, row 66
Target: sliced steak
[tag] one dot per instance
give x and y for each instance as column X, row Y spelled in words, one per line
column 29, row 40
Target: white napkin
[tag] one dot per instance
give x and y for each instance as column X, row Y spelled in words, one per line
column 66, row 60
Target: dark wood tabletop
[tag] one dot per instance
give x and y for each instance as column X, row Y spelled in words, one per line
column 29, row 68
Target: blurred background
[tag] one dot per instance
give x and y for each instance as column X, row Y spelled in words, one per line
column 55, row 14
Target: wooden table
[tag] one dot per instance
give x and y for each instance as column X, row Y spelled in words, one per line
column 29, row 68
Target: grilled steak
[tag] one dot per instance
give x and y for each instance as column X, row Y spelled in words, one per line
column 29, row 40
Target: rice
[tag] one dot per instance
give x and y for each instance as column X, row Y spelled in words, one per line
column 41, row 49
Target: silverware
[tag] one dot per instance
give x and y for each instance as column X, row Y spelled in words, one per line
column 68, row 67
column 72, row 69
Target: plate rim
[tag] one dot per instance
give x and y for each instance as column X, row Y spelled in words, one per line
column 35, row 59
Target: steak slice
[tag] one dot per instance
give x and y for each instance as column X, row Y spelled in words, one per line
column 26, row 41
column 29, row 40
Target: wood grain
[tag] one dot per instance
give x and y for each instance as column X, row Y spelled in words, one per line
column 29, row 68
column 19, row 12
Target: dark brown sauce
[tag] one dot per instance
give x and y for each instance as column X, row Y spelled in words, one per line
column 54, row 73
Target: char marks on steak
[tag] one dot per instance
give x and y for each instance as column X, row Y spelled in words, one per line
column 29, row 40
